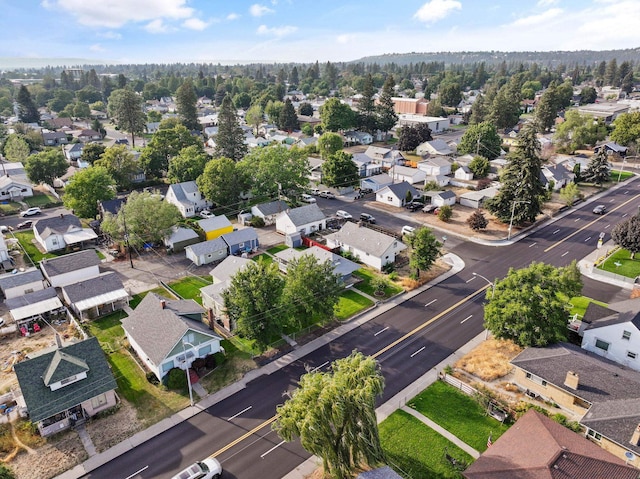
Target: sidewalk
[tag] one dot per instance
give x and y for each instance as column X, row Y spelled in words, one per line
column 98, row 460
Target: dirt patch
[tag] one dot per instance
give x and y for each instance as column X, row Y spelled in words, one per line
column 107, row 431
column 404, row 273
column 490, row 360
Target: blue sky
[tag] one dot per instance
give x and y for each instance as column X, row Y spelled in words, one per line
column 141, row 31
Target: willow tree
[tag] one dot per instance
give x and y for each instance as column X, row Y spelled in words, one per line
column 333, row 414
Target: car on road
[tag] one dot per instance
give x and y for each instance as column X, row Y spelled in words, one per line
column 429, row 209
column 328, row 195
column 208, row 468
column 600, row 210
column 408, row 230
column 30, row 212
column 315, row 191
column 367, row 218
column 206, row 214
column 5, row 229
column 307, row 198
column 343, row 214
column 24, row 225
column 414, row 206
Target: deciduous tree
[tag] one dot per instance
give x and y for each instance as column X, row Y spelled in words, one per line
column 481, row 139
column 477, row 221
column 120, row 163
column 46, row 166
column 336, row 115
column 480, row 166
column 569, row 193
column 626, row 128
column 91, row 152
column 16, row 148
column 329, row 143
column 86, row 188
column 167, row 142
column 627, row 235
column 222, row 182
column 425, row 250
column 254, row 117
column 188, row 165
column 340, row 170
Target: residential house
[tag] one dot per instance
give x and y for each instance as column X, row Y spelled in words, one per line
column 556, row 176
column 269, row 211
column 15, row 169
column 369, row 246
column 57, row 123
column 13, row 190
column 308, row 120
column 60, row 232
column 110, row 206
column 304, row 219
column 207, row 251
column 242, row 241
column 557, row 452
column 186, row 197
column 435, row 123
column 152, row 127
column 341, row 266
column 215, row 226
column 208, row 121
column 408, row 174
column 315, row 169
column 385, row 157
column 396, row 194
column 66, row 386
column 353, row 137
column 31, row 306
column 603, row 393
column 306, row 141
column 463, row 173
column 71, row 268
column 611, row 148
column 167, row 334
column 477, row 199
column 434, row 148
column 442, row 198
column 13, row 285
column 413, row 106
column 54, row 138
column 6, row 262
column 614, row 332
column 180, row 238
column 73, row 154
column 255, row 141
column 607, row 111
column 436, row 166
column 376, row 182
column 228, row 267
column 366, row 166
column 86, row 136
column 95, row 297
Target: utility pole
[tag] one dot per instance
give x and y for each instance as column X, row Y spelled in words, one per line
column 126, row 236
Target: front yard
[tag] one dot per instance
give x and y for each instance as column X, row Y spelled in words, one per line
column 26, row 239
column 620, row 262
column 351, row 303
column 189, row 287
column 367, row 275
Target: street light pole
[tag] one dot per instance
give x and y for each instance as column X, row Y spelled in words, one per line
column 513, row 212
column 493, row 292
column 624, row 160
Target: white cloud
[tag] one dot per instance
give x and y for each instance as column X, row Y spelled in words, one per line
column 110, row 35
column 156, row 26
column 233, row 16
column 96, row 48
column 345, row 38
column 276, row 31
column 546, row 3
column 436, row 10
column 115, row 13
column 538, row 19
column 257, row 10
column 195, row 24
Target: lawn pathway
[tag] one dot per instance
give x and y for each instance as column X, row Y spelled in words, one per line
column 443, row 432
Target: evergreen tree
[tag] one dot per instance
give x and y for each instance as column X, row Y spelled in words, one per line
column 522, row 192
column 230, row 138
column 27, row 109
column 125, row 108
column 547, row 108
column 627, row 235
column 505, row 109
column 288, row 120
column 478, row 111
column 367, row 108
column 598, row 170
column 186, row 100
column 387, row 117
column 611, row 73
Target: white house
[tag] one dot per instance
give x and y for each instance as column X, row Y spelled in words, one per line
column 228, row 267
column 557, row 175
column 376, row 182
column 435, row 148
column 614, row 332
column 13, row 285
column 396, row 194
column 167, row 334
column 304, row 219
column 58, row 232
column 436, row 124
column 435, row 166
column 463, row 173
column 32, row 306
column 186, row 197
column 352, row 137
column 71, row 268
column 408, row 174
column 341, row 266
column 269, row 211
column 371, row 247
column 13, row 190
column 366, row 166
column 207, row 251
column 385, row 157
column 476, row 199
column 442, row 198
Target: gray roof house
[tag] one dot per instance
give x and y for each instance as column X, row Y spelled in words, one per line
column 58, row 232
column 12, row 189
column 186, row 197
column 436, row 166
column 166, row 334
column 71, row 268
column 371, row 247
column 65, row 386
column 228, row 267
column 13, row 285
column 341, row 266
column 180, row 238
column 207, row 251
column 441, row 198
column 611, row 147
column 434, row 147
column 240, row 241
column 269, row 211
column 95, row 297
column 30, row 306
column 396, row 194
column 304, row 219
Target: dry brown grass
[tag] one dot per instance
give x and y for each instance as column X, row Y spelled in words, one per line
column 408, row 283
column 490, row 360
column 635, row 293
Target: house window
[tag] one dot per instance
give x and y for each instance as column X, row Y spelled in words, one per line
column 389, row 198
column 594, row 435
column 600, row 344
column 189, row 338
column 30, row 290
column 632, row 355
column 204, row 351
column 240, row 245
column 626, row 335
column 536, row 379
column 98, row 401
column 167, row 366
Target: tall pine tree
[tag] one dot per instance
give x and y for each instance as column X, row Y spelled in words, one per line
column 598, row 169
column 27, row 109
column 186, row 100
column 288, row 120
column 230, row 138
column 387, row 117
column 367, row 108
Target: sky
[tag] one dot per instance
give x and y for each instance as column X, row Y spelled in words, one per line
column 238, row 31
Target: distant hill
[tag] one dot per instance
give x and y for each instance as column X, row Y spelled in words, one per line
column 579, row 57
column 11, row 63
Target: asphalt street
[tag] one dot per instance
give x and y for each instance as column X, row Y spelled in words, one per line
column 408, row 340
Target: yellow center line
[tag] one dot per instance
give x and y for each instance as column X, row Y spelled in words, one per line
column 591, row 223
column 375, row 355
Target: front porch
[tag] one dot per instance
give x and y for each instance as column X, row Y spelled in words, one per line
column 63, row 420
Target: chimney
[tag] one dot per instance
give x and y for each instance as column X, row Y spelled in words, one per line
column 163, row 303
column 635, row 437
column 572, row 380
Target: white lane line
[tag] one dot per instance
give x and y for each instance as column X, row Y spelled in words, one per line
column 430, row 302
column 564, row 254
column 272, row 449
column 626, row 192
column 470, row 279
column 466, row 318
column 576, row 220
column 606, row 226
column 624, row 215
column 533, row 244
column 556, row 231
column 137, row 472
column 418, row 351
column 236, row 415
column 319, row 367
column 587, row 239
column 381, row 331
column 611, row 200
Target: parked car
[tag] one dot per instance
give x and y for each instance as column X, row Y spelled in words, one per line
column 367, row 218
column 315, row 191
column 307, row 199
column 5, row 229
column 208, row 468
column 24, row 225
column 365, row 191
column 206, row 214
column 414, row 206
column 429, row 208
column 328, row 195
column 30, row 212
column 408, row 230
column 121, row 141
column 600, row 210
column 343, row 214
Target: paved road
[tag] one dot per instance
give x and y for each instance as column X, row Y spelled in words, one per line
column 407, row 340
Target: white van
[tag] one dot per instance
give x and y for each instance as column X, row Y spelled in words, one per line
column 408, row 230
column 307, row 198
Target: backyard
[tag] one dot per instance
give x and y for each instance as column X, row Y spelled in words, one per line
column 189, row 287
column 26, row 239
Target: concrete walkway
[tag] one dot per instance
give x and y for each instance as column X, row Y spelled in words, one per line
column 86, row 440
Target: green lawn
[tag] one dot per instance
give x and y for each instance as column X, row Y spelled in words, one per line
column 417, row 451
column 189, row 287
column 579, row 304
column 160, row 291
column 9, row 207
column 263, row 257
column 367, row 275
column 628, row 267
column 277, row 249
column 458, row 413
column 351, row 303
column 26, row 241
column 615, row 174
column 108, row 330
column 41, row 200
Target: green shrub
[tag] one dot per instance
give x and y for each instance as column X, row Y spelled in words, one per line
column 210, row 361
column 445, row 213
column 393, row 276
column 6, row 473
column 389, row 268
column 257, row 222
column 152, row 378
column 176, row 379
